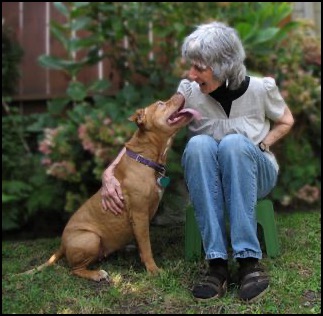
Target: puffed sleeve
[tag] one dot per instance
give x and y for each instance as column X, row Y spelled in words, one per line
column 275, row 104
column 185, row 88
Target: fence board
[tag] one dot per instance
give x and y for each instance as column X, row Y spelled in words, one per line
column 110, row 73
column 33, row 39
column 10, row 15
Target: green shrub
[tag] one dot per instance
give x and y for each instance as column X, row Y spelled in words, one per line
column 297, row 67
column 82, row 132
column 25, row 187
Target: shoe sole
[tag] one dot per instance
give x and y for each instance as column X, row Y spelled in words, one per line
column 256, row 298
column 219, row 295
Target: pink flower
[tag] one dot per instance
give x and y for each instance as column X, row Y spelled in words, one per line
column 62, row 170
column 82, row 132
column 44, row 147
column 46, row 162
column 309, row 194
column 107, row 121
column 88, row 145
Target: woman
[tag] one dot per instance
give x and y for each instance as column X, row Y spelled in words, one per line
column 227, row 162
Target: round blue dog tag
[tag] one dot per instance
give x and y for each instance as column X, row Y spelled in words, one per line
column 163, row 181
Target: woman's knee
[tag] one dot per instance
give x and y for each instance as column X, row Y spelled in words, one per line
column 200, row 143
column 233, row 143
column 198, row 147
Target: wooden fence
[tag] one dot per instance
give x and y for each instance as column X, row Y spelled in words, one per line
column 30, row 24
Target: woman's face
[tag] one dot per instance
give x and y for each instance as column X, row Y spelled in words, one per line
column 204, row 77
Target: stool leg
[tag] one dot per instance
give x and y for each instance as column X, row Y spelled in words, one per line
column 193, row 243
column 266, row 218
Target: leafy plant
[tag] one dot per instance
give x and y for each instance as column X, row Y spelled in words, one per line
column 25, row 187
column 262, row 26
column 299, row 77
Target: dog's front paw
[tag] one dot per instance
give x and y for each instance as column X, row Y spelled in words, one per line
column 154, row 270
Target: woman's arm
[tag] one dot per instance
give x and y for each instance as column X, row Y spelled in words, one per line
column 280, row 128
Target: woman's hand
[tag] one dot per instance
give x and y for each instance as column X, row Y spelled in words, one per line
column 111, row 193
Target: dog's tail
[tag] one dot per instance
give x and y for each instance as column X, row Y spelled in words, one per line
column 53, row 259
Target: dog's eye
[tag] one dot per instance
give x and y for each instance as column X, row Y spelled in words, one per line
column 159, row 103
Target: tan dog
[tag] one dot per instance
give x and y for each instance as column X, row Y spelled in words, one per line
column 91, row 233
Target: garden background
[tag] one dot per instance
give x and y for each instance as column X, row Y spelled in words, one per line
column 67, row 89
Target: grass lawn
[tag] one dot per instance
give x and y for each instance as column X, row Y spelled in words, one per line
column 295, row 277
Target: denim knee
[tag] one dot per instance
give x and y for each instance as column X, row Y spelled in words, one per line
column 199, row 146
column 233, row 143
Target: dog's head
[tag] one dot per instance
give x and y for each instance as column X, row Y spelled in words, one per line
column 165, row 116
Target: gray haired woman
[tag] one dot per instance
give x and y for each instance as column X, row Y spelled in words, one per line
column 227, row 162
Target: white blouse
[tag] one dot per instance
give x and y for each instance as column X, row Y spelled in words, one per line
column 250, row 114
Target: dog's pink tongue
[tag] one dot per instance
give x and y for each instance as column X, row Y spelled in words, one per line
column 196, row 115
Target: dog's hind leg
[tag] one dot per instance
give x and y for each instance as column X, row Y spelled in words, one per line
column 83, row 248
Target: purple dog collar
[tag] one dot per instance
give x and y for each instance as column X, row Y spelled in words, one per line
column 158, row 167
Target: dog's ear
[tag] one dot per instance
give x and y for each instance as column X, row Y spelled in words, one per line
column 138, row 117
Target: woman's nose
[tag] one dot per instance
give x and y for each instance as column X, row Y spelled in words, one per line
column 192, row 73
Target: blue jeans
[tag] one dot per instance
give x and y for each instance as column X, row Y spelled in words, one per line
column 227, row 175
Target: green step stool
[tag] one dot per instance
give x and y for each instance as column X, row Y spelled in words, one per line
column 265, row 218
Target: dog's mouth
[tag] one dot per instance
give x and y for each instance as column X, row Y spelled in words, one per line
column 186, row 114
